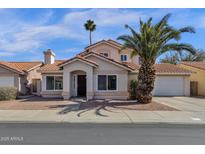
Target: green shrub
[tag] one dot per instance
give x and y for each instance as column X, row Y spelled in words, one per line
column 133, row 87
column 8, row 93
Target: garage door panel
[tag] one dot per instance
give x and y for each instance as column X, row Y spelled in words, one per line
column 169, row 86
column 7, row 81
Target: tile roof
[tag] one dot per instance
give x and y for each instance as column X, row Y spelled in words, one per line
column 26, row 66
column 200, row 65
column 11, row 67
column 131, row 65
column 163, row 68
column 171, row 69
column 112, row 42
column 81, row 58
column 51, row 67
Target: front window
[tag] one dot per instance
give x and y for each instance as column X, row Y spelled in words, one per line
column 107, row 82
column 123, row 57
column 112, row 82
column 54, row 83
column 104, row 54
column 101, row 82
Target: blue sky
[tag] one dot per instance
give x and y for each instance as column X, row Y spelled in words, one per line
column 26, row 33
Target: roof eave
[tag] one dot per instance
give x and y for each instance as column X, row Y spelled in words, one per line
column 89, row 63
column 167, row 73
column 13, row 70
column 43, row 71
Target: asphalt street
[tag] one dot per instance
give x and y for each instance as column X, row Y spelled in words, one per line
column 102, row 134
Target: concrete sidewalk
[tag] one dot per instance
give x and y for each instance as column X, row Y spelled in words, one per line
column 192, row 111
column 93, row 116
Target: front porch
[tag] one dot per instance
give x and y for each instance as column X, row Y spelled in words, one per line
column 78, row 80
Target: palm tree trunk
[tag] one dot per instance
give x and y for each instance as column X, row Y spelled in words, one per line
column 90, row 38
column 146, row 78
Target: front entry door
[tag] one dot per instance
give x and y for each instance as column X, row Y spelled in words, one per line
column 81, row 85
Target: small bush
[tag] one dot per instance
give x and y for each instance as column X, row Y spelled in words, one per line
column 8, row 93
column 133, row 87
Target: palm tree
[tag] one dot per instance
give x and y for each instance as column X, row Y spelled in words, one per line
column 172, row 59
column 149, row 43
column 90, row 26
column 177, row 58
column 198, row 56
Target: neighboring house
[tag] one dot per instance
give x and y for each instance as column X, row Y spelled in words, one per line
column 22, row 75
column 102, row 72
column 198, row 76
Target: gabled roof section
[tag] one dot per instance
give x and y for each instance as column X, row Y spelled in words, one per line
column 26, row 66
column 11, row 67
column 109, row 42
column 51, row 67
column 80, row 58
column 199, row 65
column 123, row 65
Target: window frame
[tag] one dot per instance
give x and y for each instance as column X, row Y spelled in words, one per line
column 54, row 82
column 124, row 55
column 107, row 83
column 103, row 53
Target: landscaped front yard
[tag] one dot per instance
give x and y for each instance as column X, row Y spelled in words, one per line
column 38, row 103
column 33, row 103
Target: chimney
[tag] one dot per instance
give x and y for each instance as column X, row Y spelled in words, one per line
column 49, row 57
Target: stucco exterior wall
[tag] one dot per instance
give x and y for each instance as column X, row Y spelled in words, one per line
column 114, row 53
column 77, row 66
column 199, row 76
column 106, row 68
column 7, row 73
column 34, row 74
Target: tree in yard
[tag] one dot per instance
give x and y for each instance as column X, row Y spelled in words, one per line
column 172, row 59
column 149, row 43
column 179, row 57
column 90, row 26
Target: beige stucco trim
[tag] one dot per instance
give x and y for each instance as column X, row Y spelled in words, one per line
column 112, row 95
column 52, row 94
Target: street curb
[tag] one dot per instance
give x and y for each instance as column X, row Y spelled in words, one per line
column 117, row 123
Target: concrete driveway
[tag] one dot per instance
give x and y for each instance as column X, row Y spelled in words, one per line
column 193, row 107
column 189, row 104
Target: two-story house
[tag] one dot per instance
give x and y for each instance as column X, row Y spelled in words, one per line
column 101, row 71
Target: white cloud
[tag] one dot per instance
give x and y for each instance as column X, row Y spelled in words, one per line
column 19, row 35
column 6, row 54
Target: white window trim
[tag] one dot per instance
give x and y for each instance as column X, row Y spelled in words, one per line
column 106, row 83
column 54, row 82
column 124, row 55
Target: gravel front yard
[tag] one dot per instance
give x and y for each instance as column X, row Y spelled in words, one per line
column 154, row 106
column 33, row 103
column 38, row 103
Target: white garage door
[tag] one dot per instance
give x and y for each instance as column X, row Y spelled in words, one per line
column 6, row 81
column 169, row 86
